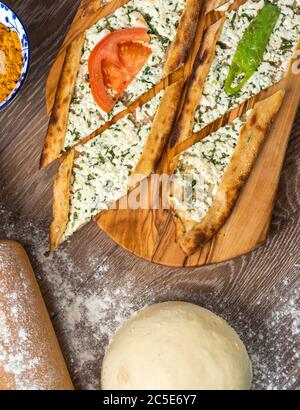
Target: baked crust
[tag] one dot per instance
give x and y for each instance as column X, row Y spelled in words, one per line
column 61, row 200
column 192, row 235
column 57, row 127
column 180, row 48
column 184, row 126
column 214, row 4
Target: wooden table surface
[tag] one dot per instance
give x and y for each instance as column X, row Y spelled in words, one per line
column 91, row 285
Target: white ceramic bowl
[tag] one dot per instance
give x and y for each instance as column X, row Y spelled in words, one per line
column 9, row 18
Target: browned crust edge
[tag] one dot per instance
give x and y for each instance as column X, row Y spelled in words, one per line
column 56, row 132
column 191, row 235
column 181, row 46
column 184, row 126
column 61, row 200
column 213, row 4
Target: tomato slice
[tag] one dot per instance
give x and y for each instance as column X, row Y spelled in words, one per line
column 114, row 77
column 133, row 56
column 114, row 63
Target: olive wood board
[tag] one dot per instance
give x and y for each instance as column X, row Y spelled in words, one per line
column 150, row 234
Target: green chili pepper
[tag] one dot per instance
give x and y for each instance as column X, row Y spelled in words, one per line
column 251, row 48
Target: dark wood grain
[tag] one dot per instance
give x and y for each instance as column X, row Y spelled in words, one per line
column 251, row 292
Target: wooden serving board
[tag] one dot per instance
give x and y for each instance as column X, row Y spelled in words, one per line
column 150, row 234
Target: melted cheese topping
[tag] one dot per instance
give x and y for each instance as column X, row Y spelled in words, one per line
column 200, row 170
column 283, row 42
column 161, row 18
column 101, row 171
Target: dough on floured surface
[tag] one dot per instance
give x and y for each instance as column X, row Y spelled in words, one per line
column 176, row 345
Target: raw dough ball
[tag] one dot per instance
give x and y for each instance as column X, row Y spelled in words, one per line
column 176, row 345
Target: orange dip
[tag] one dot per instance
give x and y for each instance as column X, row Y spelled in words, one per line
column 10, row 61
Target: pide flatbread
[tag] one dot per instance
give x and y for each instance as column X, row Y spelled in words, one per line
column 206, row 100
column 104, row 169
column 283, row 42
column 171, row 25
column 210, row 174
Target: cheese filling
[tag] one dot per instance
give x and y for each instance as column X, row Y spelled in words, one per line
column 102, row 170
column 215, row 102
column 200, row 170
column 161, row 18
